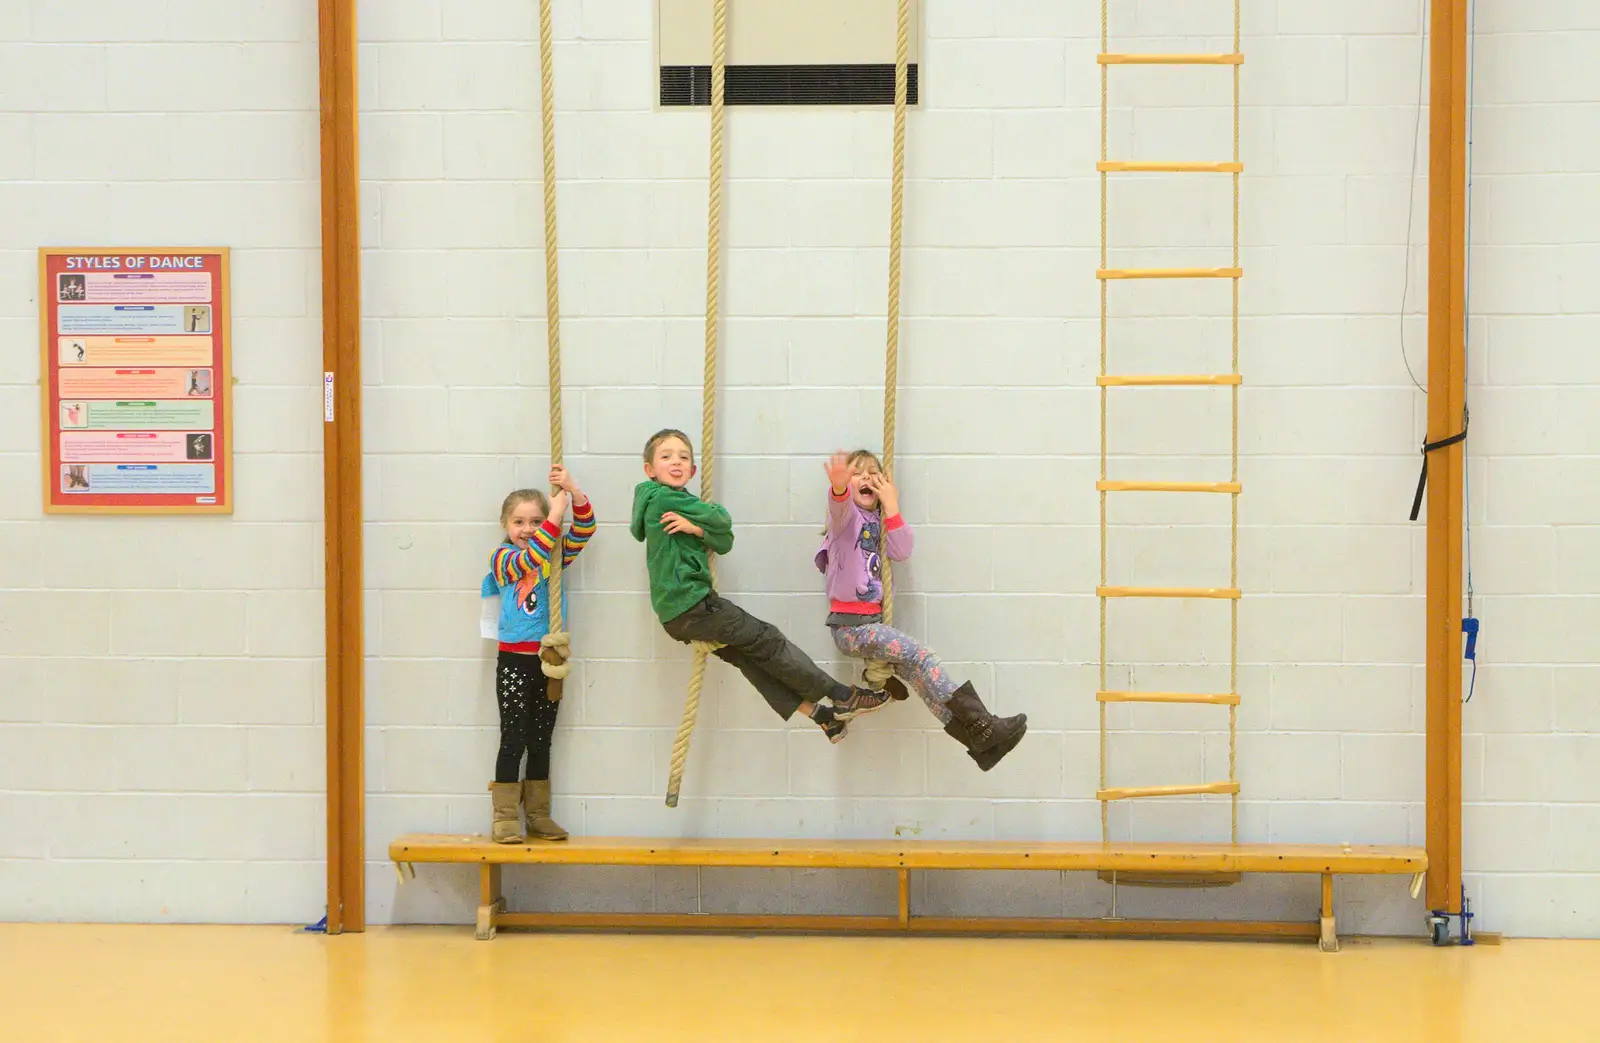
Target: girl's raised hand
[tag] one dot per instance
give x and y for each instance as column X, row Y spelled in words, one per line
column 838, row 469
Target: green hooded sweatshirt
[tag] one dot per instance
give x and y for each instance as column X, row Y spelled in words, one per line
column 680, row 576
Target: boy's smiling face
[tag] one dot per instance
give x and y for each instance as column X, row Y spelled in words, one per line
column 672, row 464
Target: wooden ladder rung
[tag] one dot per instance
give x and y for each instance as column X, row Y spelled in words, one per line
column 1135, row 792
column 1172, row 59
column 1169, row 487
column 1170, row 273
column 1170, row 380
column 1204, row 698
column 1112, row 166
column 1223, row 593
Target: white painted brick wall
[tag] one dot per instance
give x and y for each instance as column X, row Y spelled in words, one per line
column 161, row 679
column 163, row 697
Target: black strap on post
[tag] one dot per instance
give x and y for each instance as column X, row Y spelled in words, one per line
column 1433, row 447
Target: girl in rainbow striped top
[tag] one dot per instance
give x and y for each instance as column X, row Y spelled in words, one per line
column 519, row 574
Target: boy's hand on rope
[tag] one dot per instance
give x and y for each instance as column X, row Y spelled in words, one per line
column 838, row 469
column 674, row 522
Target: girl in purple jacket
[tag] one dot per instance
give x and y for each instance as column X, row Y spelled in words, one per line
column 864, row 526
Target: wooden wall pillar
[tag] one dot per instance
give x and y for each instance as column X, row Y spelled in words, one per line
column 1447, row 266
column 341, row 455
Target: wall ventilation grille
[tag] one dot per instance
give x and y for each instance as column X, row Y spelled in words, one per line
column 690, row 85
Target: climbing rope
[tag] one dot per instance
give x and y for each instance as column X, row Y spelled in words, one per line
column 708, row 406
column 878, row 672
column 555, row 648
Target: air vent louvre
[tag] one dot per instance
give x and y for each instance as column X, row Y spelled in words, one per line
column 688, row 85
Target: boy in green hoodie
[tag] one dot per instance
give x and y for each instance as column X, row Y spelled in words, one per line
column 677, row 528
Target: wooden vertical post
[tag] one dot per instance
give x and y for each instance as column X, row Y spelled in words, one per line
column 1328, row 931
column 341, row 463
column 490, row 904
column 1447, row 253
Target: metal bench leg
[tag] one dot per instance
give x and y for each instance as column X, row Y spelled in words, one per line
column 1330, row 937
column 490, row 902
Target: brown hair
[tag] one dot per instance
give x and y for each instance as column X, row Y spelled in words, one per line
column 662, row 435
column 520, row 497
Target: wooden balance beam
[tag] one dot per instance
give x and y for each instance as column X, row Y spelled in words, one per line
column 1167, row 860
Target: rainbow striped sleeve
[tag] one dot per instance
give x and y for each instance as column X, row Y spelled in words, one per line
column 508, row 564
column 578, row 532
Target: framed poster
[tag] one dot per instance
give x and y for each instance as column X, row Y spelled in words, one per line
column 137, row 381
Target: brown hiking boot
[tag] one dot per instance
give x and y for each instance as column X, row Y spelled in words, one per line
column 536, row 804
column 504, row 797
column 987, row 738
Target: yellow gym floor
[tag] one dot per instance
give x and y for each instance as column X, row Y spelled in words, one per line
column 130, row 984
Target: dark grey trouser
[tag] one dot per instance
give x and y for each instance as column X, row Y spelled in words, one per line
column 783, row 674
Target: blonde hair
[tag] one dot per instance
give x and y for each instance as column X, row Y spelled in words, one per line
column 863, row 454
column 662, row 435
column 520, row 497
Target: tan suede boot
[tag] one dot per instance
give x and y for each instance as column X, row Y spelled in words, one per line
column 507, row 828
column 536, row 804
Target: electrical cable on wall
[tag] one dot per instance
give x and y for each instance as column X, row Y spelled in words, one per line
column 1470, row 626
column 1469, row 622
column 1411, row 187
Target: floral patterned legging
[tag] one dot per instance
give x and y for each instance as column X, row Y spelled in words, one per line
column 914, row 662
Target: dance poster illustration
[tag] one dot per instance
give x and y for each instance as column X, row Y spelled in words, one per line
column 137, row 381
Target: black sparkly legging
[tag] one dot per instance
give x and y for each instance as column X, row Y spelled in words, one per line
column 527, row 718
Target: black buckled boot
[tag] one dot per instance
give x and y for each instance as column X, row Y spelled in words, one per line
column 987, row 738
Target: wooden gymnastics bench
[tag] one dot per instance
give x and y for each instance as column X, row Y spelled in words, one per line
column 1169, row 860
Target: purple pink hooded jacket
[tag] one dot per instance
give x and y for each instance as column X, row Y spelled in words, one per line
column 849, row 555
